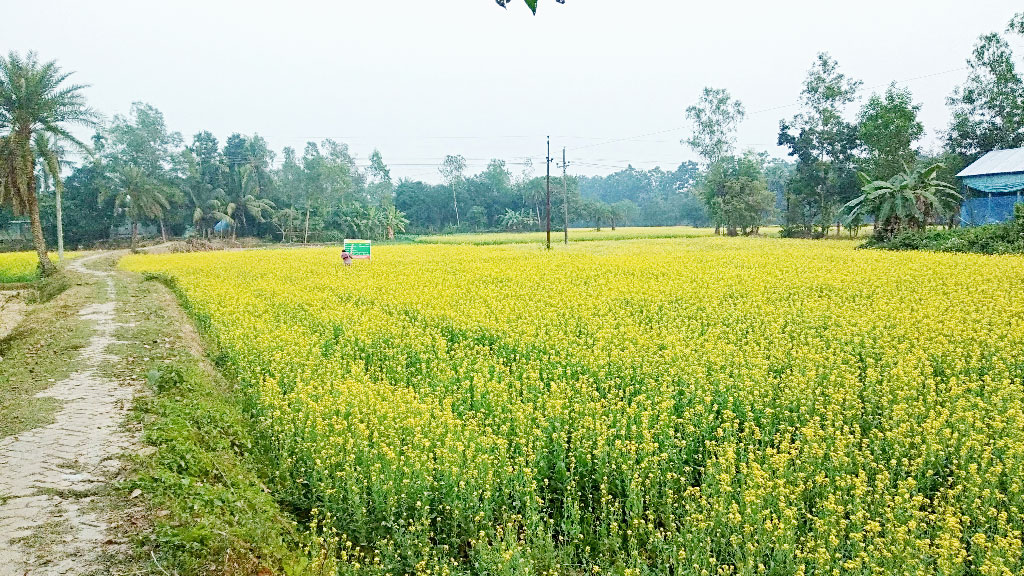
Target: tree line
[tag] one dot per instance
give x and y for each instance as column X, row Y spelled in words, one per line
column 136, row 172
column 843, row 171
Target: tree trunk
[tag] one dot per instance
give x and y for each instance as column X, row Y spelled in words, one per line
column 455, row 200
column 163, row 230
column 305, row 237
column 60, row 226
column 46, row 267
column 135, row 234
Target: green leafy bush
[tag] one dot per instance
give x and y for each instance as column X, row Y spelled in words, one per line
column 1003, row 238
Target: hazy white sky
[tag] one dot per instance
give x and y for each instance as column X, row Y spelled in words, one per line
column 419, row 79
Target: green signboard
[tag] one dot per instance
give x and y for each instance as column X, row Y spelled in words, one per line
column 358, row 248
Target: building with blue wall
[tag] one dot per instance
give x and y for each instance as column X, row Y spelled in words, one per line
column 991, row 186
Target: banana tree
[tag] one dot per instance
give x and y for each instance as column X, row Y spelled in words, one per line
column 394, row 220
column 906, row 201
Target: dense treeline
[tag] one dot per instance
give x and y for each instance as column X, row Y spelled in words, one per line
column 143, row 178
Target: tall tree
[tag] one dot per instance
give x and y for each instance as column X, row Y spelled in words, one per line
column 988, row 109
column 247, row 180
column 141, row 150
column 823, row 142
column 381, row 188
column 715, row 116
column 88, row 207
column 329, row 180
column 736, row 192
column 888, row 127
column 50, row 155
column 452, row 171
column 34, row 98
column 142, row 139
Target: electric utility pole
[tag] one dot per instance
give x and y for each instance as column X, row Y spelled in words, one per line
column 549, row 193
column 565, row 195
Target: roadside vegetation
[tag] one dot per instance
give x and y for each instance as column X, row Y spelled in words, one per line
column 193, row 501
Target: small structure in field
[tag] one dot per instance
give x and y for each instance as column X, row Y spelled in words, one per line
column 16, row 230
column 992, row 185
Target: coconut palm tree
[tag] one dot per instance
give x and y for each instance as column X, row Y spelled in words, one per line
column 906, row 201
column 139, row 196
column 34, row 98
column 260, row 209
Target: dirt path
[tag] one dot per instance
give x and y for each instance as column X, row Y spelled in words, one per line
column 49, row 476
column 12, row 310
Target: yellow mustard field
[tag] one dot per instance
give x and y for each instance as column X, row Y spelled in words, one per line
column 23, row 266
column 685, row 406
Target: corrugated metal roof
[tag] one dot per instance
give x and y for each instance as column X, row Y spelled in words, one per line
column 996, row 162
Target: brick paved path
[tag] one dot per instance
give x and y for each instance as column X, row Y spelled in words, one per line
column 49, row 476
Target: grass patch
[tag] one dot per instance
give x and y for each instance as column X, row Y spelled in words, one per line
column 40, row 351
column 206, row 507
column 52, row 286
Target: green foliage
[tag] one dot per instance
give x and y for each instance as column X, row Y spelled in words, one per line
column 888, row 128
column 657, row 197
column 823, row 143
column 199, row 474
column 736, row 193
column 452, row 172
column 531, row 3
column 988, row 109
column 907, row 201
column 715, row 116
column 35, row 99
column 1004, row 238
column 215, row 508
column 140, row 196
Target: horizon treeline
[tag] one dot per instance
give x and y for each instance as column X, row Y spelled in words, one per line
column 141, row 177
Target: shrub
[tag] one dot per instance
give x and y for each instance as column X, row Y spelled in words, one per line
column 1003, row 238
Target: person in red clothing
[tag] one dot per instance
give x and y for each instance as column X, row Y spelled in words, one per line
column 346, row 257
